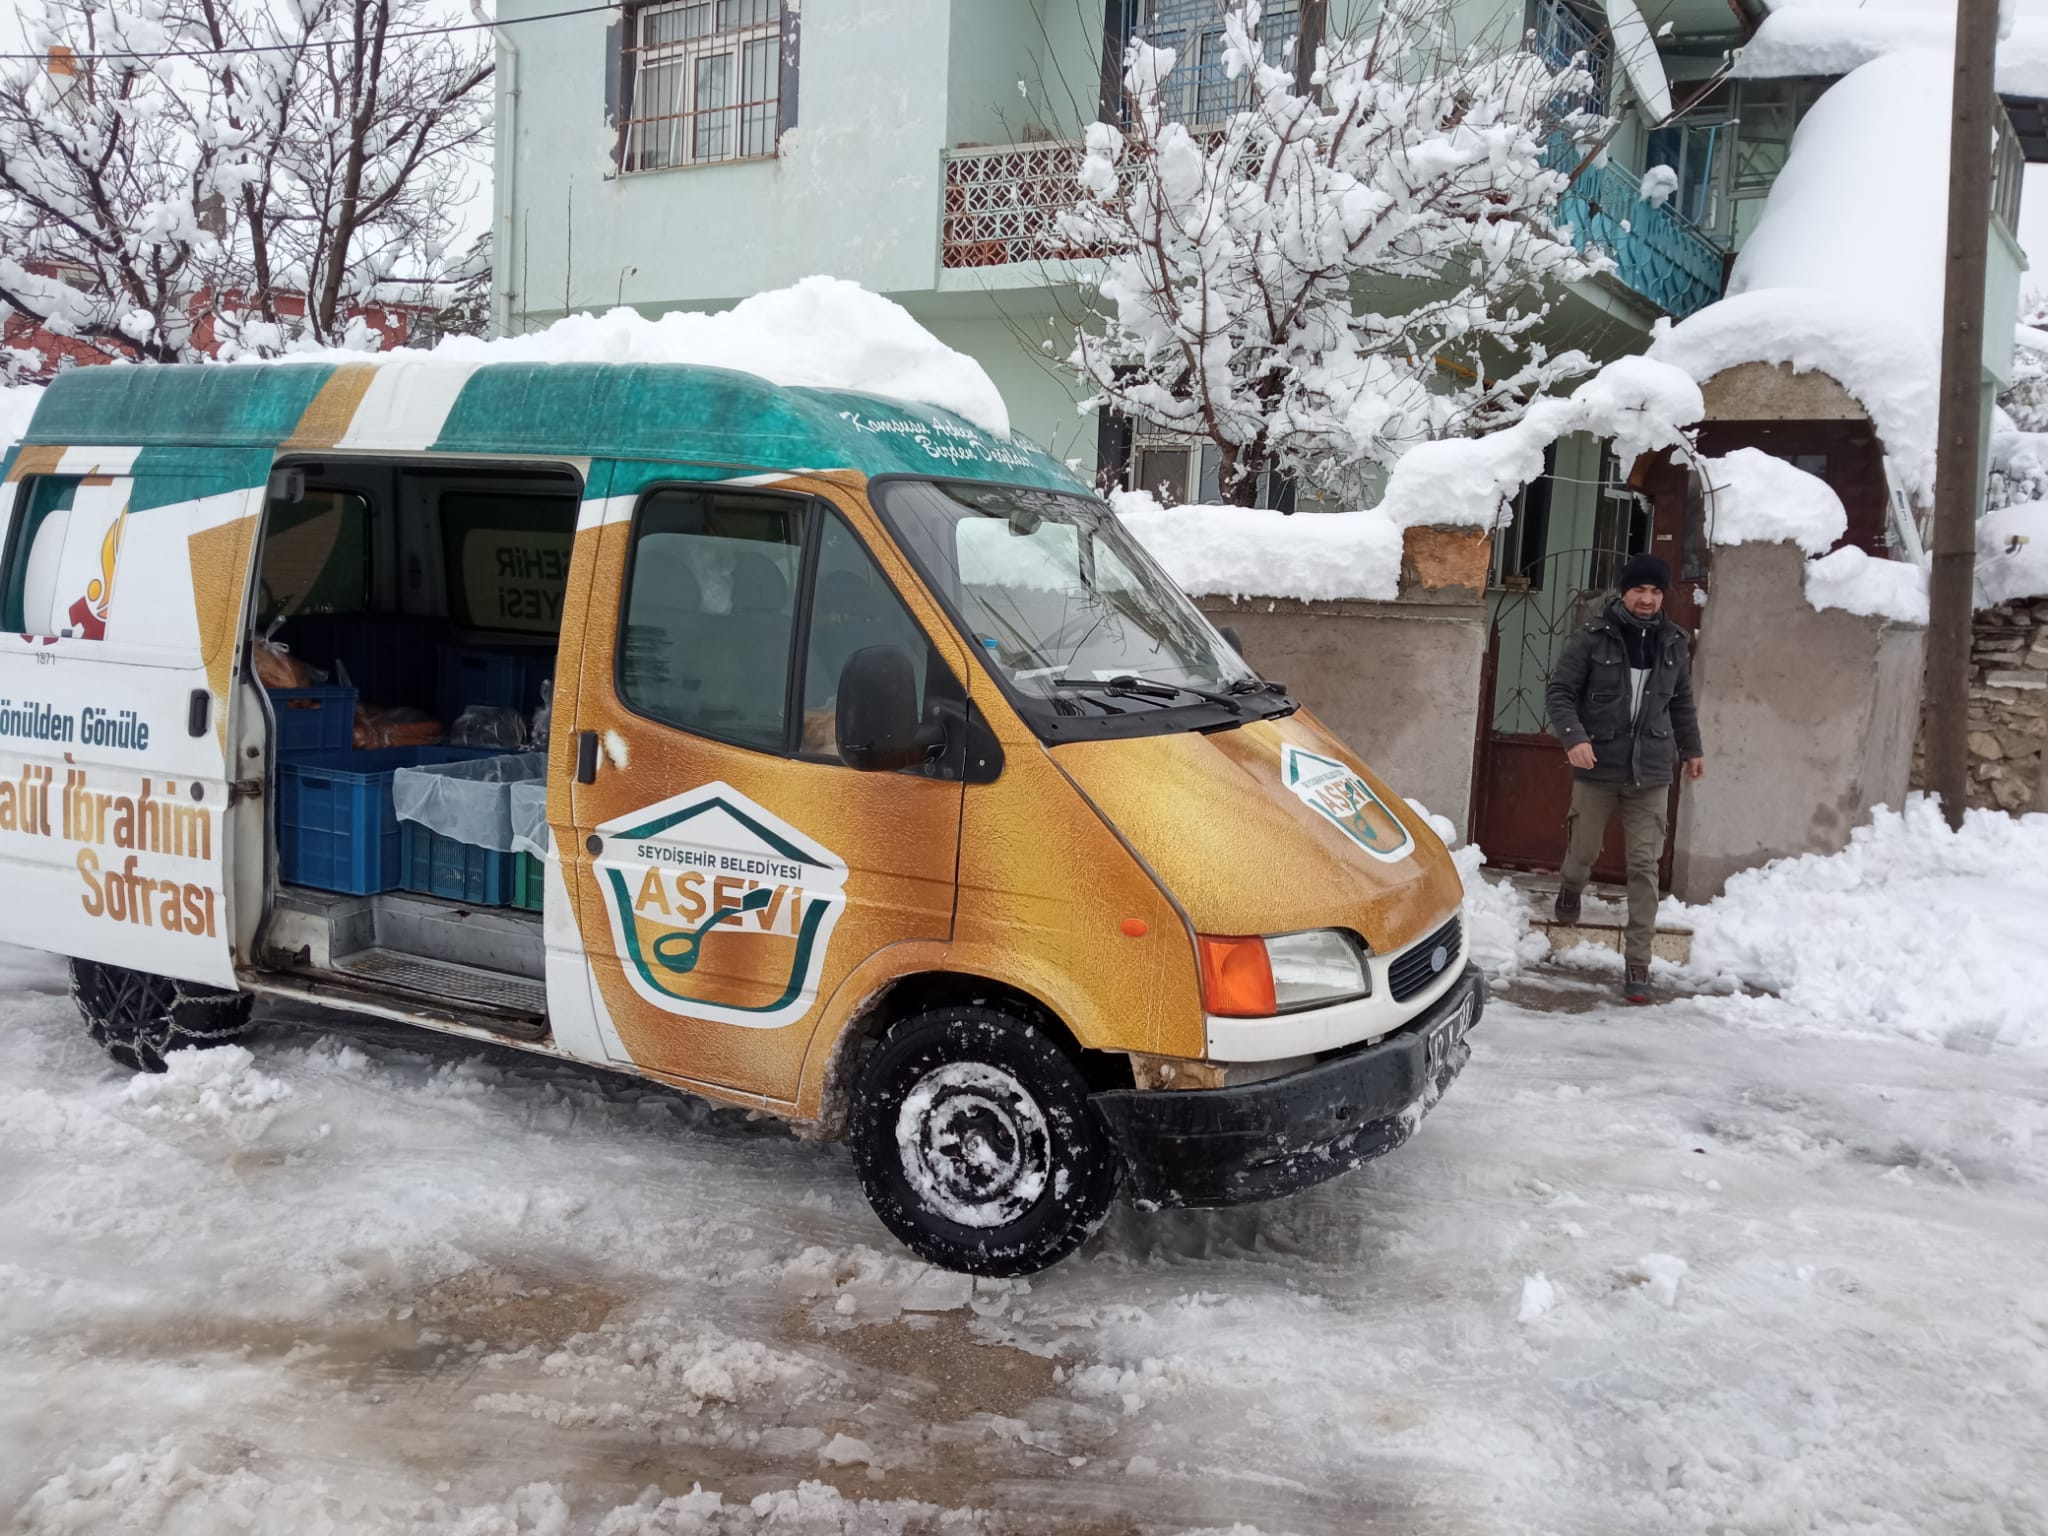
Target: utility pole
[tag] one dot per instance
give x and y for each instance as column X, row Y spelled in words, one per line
column 1945, row 689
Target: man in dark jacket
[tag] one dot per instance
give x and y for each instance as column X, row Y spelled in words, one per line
column 1621, row 701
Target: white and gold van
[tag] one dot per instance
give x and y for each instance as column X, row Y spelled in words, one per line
column 889, row 786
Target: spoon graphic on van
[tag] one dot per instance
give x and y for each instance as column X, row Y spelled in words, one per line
column 679, row 951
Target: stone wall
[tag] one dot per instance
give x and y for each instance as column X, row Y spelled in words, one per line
column 2008, row 707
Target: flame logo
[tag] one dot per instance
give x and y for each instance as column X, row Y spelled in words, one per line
column 89, row 614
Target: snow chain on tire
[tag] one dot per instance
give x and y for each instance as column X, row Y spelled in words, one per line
column 139, row 1018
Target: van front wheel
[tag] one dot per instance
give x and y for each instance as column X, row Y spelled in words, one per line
column 975, row 1143
column 139, row 1018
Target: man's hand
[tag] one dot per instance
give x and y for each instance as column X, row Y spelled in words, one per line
column 1695, row 767
column 1581, row 756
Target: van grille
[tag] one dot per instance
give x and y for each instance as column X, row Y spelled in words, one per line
column 1411, row 970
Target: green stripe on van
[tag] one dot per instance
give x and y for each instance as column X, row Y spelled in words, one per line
column 185, row 406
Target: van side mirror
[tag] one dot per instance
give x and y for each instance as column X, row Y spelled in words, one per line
column 880, row 725
column 1229, row 633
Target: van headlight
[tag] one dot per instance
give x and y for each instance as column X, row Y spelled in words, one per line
column 1254, row 978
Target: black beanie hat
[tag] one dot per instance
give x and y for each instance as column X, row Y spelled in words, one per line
column 1645, row 571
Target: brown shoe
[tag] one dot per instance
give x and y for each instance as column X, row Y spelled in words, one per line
column 1567, row 908
column 1636, row 987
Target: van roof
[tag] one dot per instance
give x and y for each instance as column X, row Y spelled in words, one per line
column 669, row 414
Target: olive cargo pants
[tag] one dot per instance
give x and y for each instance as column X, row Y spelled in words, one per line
column 1645, row 813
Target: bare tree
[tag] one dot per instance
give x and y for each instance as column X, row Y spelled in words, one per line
column 1348, row 263
column 268, row 166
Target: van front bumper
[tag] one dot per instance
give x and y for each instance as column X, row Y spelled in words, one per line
column 1232, row 1146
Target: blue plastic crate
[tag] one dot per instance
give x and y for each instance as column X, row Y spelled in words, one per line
column 313, row 719
column 336, row 830
column 440, row 866
column 498, row 679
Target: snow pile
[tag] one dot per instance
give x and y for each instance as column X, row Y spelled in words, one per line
column 1911, row 930
column 1538, row 1297
column 1497, row 933
column 17, row 404
column 1825, row 40
column 221, row 1088
column 2012, row 554
column 821, row 333
column 1857, row 582
column 1843, row 273
column 1754, row 498
column 1248, row 551
column 1640, row 402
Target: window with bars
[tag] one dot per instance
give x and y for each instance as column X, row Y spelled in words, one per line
column 1200, row 91
column 703, row 81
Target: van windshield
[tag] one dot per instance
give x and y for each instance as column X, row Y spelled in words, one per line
column 1074, row 618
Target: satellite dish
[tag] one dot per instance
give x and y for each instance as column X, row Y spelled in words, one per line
column 1637, row 51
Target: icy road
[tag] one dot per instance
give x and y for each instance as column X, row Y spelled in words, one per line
column 1643, row 1271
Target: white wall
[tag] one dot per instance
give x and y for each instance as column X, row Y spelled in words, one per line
column 856, row 192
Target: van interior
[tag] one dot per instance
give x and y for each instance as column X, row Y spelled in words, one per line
column 434, row 592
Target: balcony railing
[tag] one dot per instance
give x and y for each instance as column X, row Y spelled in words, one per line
column 1001, row 204
column 1656, row 251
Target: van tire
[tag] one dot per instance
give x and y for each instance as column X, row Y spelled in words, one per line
column 139, row 1018
column 979, row 1076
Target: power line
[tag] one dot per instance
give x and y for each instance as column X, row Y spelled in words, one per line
column 389, row 37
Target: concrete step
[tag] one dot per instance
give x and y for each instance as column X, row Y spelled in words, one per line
column 1603, row 919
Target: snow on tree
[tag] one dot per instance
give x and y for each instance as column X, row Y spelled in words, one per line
column 1346, row 265
column 265, row 165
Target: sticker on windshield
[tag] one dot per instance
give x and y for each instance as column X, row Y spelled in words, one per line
column 719, row 909
column 1332, row 790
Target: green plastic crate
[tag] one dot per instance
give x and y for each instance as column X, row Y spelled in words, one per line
column 529, row 882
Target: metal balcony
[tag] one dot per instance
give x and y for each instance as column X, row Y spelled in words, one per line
column 1656, row 251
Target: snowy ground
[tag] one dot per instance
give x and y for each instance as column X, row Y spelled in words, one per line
column 1643, row 1271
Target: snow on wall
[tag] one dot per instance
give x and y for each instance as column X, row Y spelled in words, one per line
column 1249, row 552
column 821, row 333
column 1843, row 273
column 1877, row 588
column 2007, row 570
column 1818, row 40
column 1755, row 498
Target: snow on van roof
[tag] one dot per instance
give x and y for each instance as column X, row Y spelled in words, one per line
column 1843, row 273
column 820, row 333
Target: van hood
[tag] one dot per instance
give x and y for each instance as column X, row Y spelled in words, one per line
column 1271, row 828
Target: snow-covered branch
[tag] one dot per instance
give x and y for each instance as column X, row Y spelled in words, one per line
column 1316, row 282
column 256, row 167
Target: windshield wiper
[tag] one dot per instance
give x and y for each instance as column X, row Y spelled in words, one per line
column 1130, row 686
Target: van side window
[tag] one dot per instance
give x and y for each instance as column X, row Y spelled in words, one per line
column 852, row 607
column 61, row 561
column 710, row 613
column 316, row 557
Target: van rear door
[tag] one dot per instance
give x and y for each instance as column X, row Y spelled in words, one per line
column 121, row 596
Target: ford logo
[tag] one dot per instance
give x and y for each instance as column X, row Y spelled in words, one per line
column 1439, row 958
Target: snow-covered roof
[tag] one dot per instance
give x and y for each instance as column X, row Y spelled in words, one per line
column 1829, row 40
column 1843, row 273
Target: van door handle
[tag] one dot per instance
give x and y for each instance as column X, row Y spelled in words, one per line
column 586, row 757
column 197, row 711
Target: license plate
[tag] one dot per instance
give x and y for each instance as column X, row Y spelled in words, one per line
column 1446, row 1033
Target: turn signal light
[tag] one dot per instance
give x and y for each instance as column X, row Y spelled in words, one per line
column 1237, row 978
